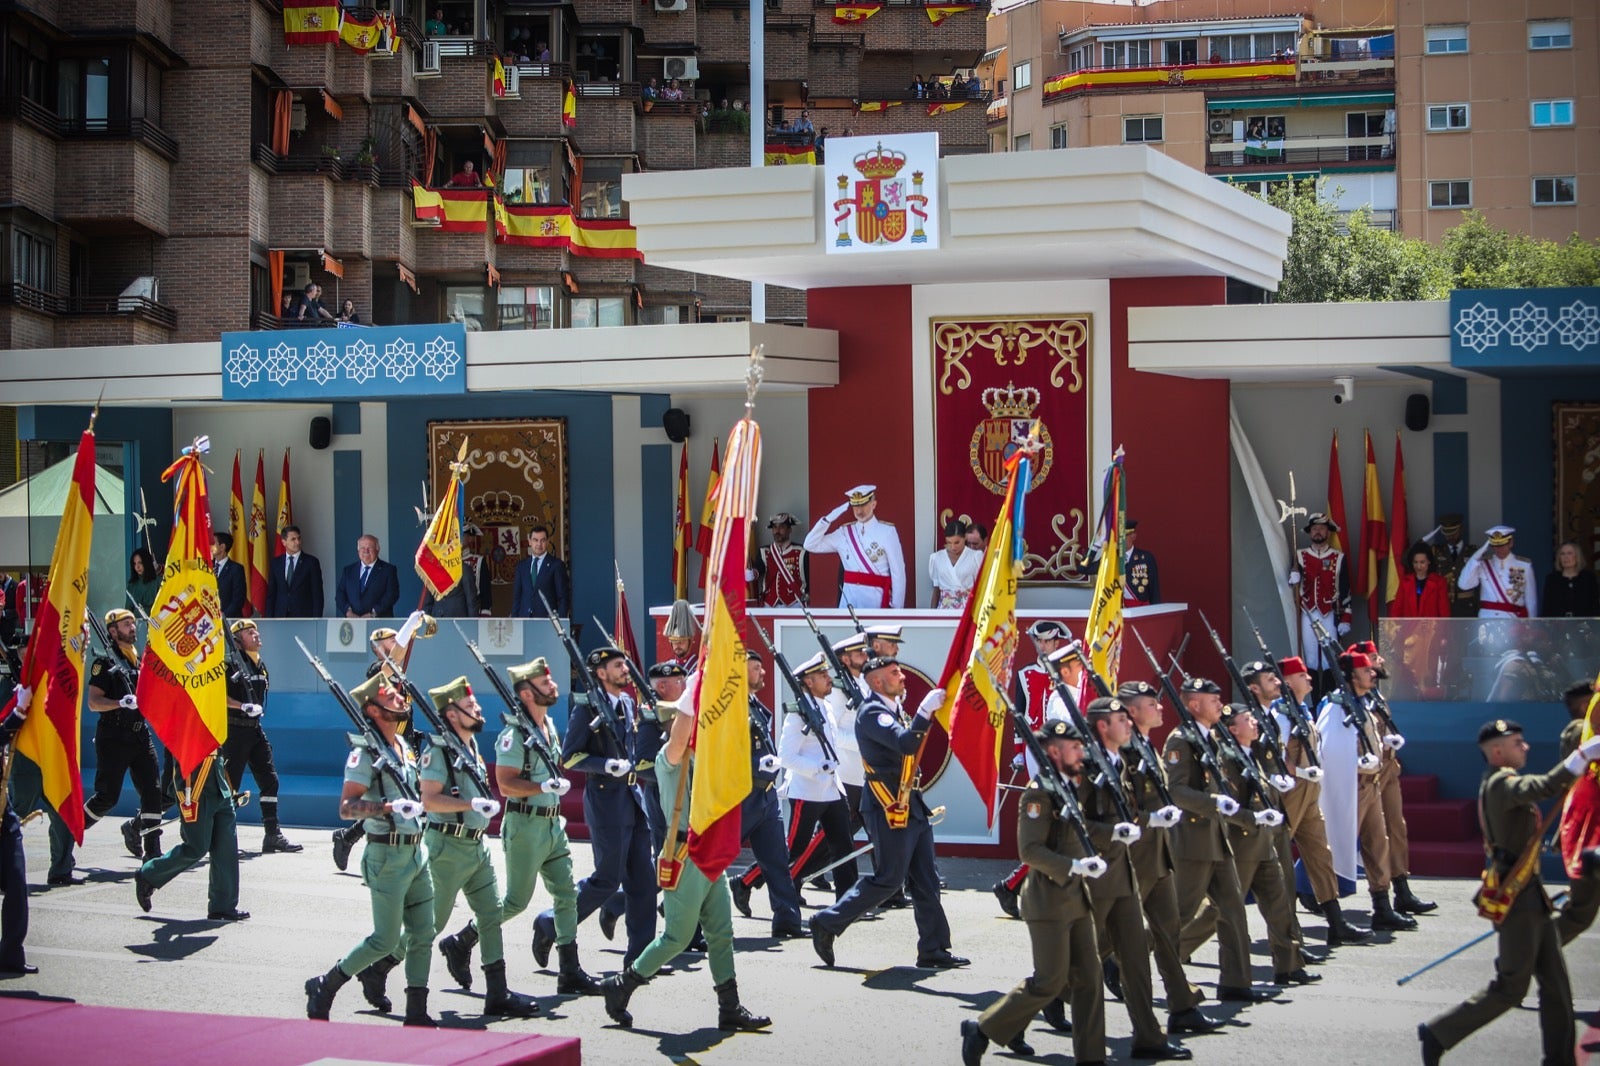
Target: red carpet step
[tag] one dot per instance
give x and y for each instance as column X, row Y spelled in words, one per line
column 1418, row 788
column 1444, row 822
column 1445, row 841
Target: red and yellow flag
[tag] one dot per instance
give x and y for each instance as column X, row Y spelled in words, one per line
column 555, row 226
column 622, row 628
column 708, row 512
column 785, row 155
column 722, row 699
column 940, row 107
column 1580, row 811
column 439, row 555
column 1399, row 526
column 844, row 14
column 937, row 13
column 183, row 679
column 1374, row 535
column 497, row 80
column 877, row 105
column 972, row 711
column 311, row 21
column 1103, row 633
column 682, row 528
column 239, row 524
column 1336, row 496
column 52, row 667
column 569, row 107
column 427, row 204
column 258, row 538
column 285, row 508
column 358, row 34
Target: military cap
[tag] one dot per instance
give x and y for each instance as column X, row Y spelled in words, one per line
column 681, row 623
column 1048, row 629
column 600, row 656
column 1104, row 705
column 862, row 494
column 1365, row 647
column 1500, row 727
column 666, row 669
column 880, row 662
column 1356, row 659
column 118, row 614
column 241, row 625
column 1072, row 650
column 382, row 633
column 1131, row 524
column 814, row 665
column 528, row 671
column 1450, row 524
column 1058, row 729
column 751, row 655
column 886, row 632
column 1129, row 690
column 782, row 518
column 1499, row 535
column 1203, row 686
column 1292, row 664
column 367, row 691
column 1230, row 711
column 450, row 692
column 1320, row 519
column 854, row 642
column 1254, row 667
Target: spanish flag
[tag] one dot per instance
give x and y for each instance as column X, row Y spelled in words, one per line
column 183, row 679
column 1336, row 496
column 940, row 107
column 877, row 105
column 681, row 528
column 844, row 14
column 258, row 538
column 722, row 698
column 569, row 107
column 52, row 668
column 439, row 555
column 239, row 523
column 359, row 35
column 555, row 226
column 285, row 507
column 311, row 22
column 1103, row 633
column 427, row 204
column 1399, row 526
column 987, row 635
column 463, row 210
column 1374, row 535
column 708, row 512
column 937, row 13
column 780, row 155
column 499, row 81
column 1580, row 811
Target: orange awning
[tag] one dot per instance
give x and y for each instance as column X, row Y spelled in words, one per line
column 408, row 277
column 332, row 265
column 416, row 121
column 494, row 275
column 331, row 105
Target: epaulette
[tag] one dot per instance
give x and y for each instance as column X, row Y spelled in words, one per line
column 356, row 740
column 512, row 721
column 1522, row 559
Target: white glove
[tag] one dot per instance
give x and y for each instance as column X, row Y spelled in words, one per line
column 1017, row 762
column 1309, row 773
column 1294, row 577
column 833, row 515
column 1125, row 832
column 563, row 786
column 1367, row 762
column 1394, row 741
column 130, row 702
column 486, row 806
column 767, row 764
column 930, row 703
column 1166, row 817
column 253, row 710
column 1281, row 782
column 617, row 767
column 24, row 696
column 1093, row 866
column 1343, row 628
column 749, row 575
column 1227, row 806
column 410, row 810
column 1270, row 819
column 1587, row 753
column 551, row 787
column 828, row 766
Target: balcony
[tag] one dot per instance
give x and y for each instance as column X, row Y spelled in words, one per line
column 116, row 187
column 606, row 116
column 1323, row 153
column 300, row 211
column 128, row 310
column 1189, row 76
column 462, row 88
column 909, row 26
column 995, row 114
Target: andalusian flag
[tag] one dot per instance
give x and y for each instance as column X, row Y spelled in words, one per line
column 239, row 524
column 183, row 679
column 258, row 537
column 52, row 667
column 1580, row 812
column 844, row 14
column 682, row 529
column 569, row 107
column 1399, row 526
column 1103, row 633
column 1374, row 535
column 708, row 514
column 1336, row 496
column 439, row 554
column 310, row 22
column 937, row 13
column 972, row 712
column 722, row 707
column 285, row 507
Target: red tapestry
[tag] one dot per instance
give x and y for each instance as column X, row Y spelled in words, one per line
column 992, row 378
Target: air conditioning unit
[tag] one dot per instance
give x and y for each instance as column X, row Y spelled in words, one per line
column 428, row 60
column 141, row 288
column 1218, row 127
column 513, row 82
column 672, row 5
column 297, row 116
column 684, row 68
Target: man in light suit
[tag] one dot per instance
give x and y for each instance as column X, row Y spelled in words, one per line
column 540, row 572
column 230, row 576
column 294, row 581
column 368, row 587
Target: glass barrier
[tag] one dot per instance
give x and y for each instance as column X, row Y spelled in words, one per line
column 1487, row 660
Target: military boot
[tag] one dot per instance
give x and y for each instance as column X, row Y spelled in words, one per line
column 1406, row 901
column 417, row 1009
column 731, row 1014
column 321, row 990
column 1384, row 916
column 570, row 979
column 1339, row 930
column 618, row 990
column 457, row 952
column 501, row 1000
column 152, row 842
column 375, row 983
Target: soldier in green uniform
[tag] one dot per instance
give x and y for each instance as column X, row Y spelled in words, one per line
column 527, row 770
column 1528, row 942
column 693, row 900
column 393, row 865
column 206, row 827
column 1055, row 905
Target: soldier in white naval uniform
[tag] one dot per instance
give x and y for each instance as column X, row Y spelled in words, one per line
column 869, row 550
column 1505, row 584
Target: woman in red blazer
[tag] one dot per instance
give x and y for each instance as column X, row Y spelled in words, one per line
column 1422, row 593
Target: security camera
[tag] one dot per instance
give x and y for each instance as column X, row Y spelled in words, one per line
column 1345, row 390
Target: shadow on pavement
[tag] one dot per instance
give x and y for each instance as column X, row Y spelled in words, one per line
column 175, row 939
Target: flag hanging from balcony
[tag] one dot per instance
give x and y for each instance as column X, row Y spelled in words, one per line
column 937, row 13
column 258, row 538
column 499, row 81
column 940, row 107
column 285, row 508
column 844, row 14
column 781, row 155
column 569, row 107
column 427, row 204
column 361, row 35
column 311, row 22
column 438, row 560
column 555, row 226
column 877, row 105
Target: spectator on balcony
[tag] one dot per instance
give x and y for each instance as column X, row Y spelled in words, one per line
column 467, row 177
column 821, row 142
column 542, row 53
column 958, row 85
column 1570, row 590
column 435, row 27
column 672, row 91
column 286, row 310
column 937, row 90
column 347, row 313
column 919, row 88
column 650, row 92
column 802, row 125
column 1216, row 57
column 310, row 308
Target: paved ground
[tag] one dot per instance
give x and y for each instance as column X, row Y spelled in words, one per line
column 93, row 945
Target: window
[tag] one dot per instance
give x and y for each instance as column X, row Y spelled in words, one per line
column 602, row 187
column 1023, row 142
column 1239, row 47
column 1445, row 40
column 1548, row 191
column 529, row 178
column 1449, row 194
column 83, row 93
column 1125, row 54
column 527, row 307
column 1180, row 53
column 467, row 304
column 1079, row 58
column 1140, row 129
column 1022, row 76
column 588, row 311
column 1447, row 117
column 32, row 261
column 1554, row 33
column 662, row 315
column 1366, row 125
column 1058, row 136
column 1552, row 113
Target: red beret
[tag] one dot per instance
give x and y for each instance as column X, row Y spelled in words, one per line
column 1292, row 665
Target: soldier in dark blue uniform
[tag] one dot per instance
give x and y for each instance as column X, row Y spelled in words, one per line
column 122, row 741
column 761, row 821
column 1142, row 586
column 13, row 860
column 613, row 809
column 247, row 742
column 897, row 819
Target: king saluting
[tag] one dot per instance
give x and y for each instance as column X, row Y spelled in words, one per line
column 868, row 549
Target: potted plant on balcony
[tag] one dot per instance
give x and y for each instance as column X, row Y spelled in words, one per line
column 329, row 163
column 365, row 165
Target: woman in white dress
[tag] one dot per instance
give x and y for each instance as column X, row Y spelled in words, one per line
column 953, row 569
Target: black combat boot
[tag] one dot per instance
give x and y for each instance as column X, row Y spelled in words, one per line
column 731, row 1015
column 570, row 979
column 321, row 990
column 152, row 842
column 272, row 839
column 618, row 990
column 1385, row 916
column 375, row 983
column 1406, row 901
column 130, row 838
column 457, row 952
column 417, row 1009
column 1339, row 930
column 501, row 1000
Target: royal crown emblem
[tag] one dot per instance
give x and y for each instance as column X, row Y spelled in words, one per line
column 996, row 437
column 1011, row 402
column 881, row 202
column 879, row 163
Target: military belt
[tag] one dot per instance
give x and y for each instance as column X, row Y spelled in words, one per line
column 525, row 807
column 459, row 829
column 397, row 839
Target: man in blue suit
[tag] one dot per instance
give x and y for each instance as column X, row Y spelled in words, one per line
column 368, row 587
column 294, row 581
column 540, row 572
column 230, row 576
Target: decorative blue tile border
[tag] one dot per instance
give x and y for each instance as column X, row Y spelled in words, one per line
column 1524, row 329
column 345, row 364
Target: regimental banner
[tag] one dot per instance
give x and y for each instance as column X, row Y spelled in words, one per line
column 884, row 192
column 347, row 364
column 992, row 377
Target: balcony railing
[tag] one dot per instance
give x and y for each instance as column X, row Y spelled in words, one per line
column 617, row 90
column 1207, row 75
column 904, row 94
column 1292, row 151
column 47, row 121
column 17, row 294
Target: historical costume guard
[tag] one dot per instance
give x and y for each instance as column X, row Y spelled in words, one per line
column 869, row 550
column 1321, row 578
column 1505, row 584
column 782, row 567
column 247, row 743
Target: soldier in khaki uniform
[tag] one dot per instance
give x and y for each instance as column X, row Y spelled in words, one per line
column 1056, row 906
column 1389, row 771
column 1529, row 944
column 1202, row 861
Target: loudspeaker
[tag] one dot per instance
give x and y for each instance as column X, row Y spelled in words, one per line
column 1417, row 410
column 321, row 432
column 675, row 420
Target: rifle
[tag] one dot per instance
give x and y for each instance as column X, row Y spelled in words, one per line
column 1105, row 774
column 1355, row 712
column 647, row 694
column 803, row 706
column 1149, row 761
column 461, row 757
column 1299, row 723
column 383, row 758
column 605, row 716
column 1264, row 718
column 118, row 663
column 1229, row 745
column 1196, row 736
column 842, row 679
column 13, row 662
column 856, row 619
column 535, row 735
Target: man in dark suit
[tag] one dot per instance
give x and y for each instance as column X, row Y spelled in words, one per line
column 368, row 587
column 294, row 581
column 230, row 576
column 540, row 572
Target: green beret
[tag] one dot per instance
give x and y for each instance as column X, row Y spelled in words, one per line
column 451, row 692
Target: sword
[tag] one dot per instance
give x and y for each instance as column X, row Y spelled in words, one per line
column 935, row 816
column 1474, row 942
column 1289, row 512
